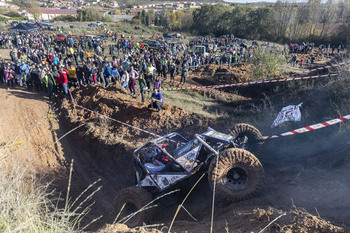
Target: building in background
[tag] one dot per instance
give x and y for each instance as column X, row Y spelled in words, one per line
column 4, row 3
column 51, row 13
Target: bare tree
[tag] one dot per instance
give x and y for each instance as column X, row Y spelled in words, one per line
column 35, row 10
column 328, row 18
column 314, row 11
column 284, row 17
column 344, row 11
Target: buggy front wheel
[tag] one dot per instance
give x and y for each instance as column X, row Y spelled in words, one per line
column 238, row 175
column 131, row 206
column 247, row 137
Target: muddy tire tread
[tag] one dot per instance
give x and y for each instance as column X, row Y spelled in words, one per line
column 236, row 157
column 253, row 134
column 140, row 197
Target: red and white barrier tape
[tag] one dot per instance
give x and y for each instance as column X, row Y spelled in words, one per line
column 325, row 67
column 207, row 72
column 247, row 83
column 174, row 80
column 310, row 128
column 186, row 84
column 168, row 83
column 306, row 71
column 120, row 122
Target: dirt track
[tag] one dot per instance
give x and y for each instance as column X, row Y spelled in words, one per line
column 317, row 183
column 295, row 181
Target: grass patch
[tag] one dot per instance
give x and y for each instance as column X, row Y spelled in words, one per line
column 28, row 203
column 192, row 102
column 28, row 206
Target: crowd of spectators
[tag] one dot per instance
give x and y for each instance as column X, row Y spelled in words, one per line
column 41, row 62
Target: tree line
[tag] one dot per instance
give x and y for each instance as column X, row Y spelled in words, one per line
column 315, row 20
column 129, row 3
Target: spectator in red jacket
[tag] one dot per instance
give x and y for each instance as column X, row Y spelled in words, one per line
column 64, row 81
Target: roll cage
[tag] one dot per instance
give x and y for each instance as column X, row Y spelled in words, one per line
column 184, row 157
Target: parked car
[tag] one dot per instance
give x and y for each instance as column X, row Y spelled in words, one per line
column 155, row 45
column 102, row 36
column 243, row 44
column 47, row 26
column 92, row 25
column 92, row 37
column 60, row 37
column 14, row 23
column 201, row 50
column 166, row 35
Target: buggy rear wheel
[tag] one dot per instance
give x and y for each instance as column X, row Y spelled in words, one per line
column 130, row 200
column 239, row 175
column 247, row 137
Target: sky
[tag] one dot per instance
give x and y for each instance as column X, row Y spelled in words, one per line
column 248, row 1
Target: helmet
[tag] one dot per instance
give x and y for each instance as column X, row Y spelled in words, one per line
column 148, row 155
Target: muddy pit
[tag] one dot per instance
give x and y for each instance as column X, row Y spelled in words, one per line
column 294, row 187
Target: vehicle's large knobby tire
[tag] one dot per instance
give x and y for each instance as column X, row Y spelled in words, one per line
column 134, row 199
column 255, row 138
column 239, row 175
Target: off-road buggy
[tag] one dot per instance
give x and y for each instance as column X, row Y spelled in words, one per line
column 162, row 164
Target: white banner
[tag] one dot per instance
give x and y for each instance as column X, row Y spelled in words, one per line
column 289, row 113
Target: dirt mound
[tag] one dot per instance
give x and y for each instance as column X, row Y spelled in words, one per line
column 318, row 56
column 300, row 221
column 243, row 220
column 239, row 73
column 290, row 221
column 115, row 228
column 114, row 102
column 215, row 74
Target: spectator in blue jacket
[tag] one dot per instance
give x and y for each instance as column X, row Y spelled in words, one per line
column 156, row 100
column 107, row 73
